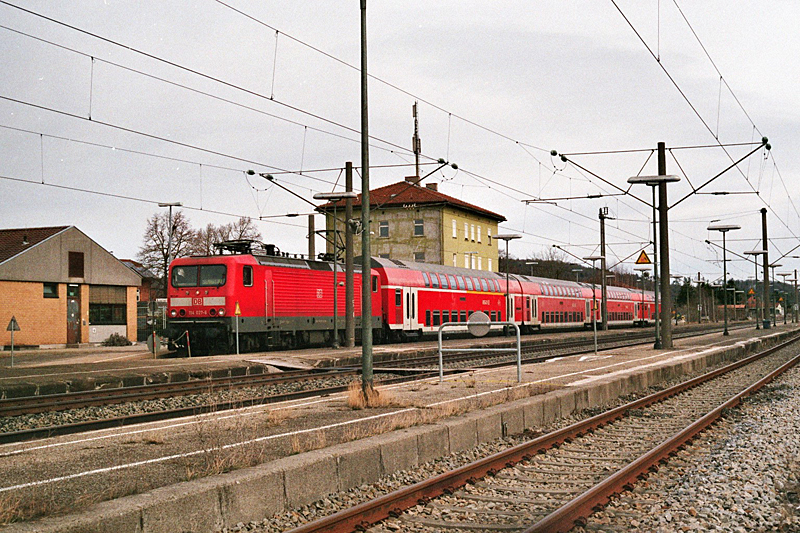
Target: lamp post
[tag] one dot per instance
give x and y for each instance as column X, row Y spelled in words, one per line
column 644, row 270
column 785, row 308
column 724, row 228
column 773, row 266
column 335, row 197
column 532, row 263
column 594, row 258
column 577, row 273
column 663, row 338
column 794, row 306
column 169, row 238
column 755, row 254
column 507, row 237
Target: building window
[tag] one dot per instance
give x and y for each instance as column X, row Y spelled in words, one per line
column 50, row 290
column 488, row 239
column 384, row 256
column 455, row 259
column 419, row 227
column 107, row 305
column 466, row 231
column 479, row 263
column 472, row 232
column 490, row 264
column 455, row 230
column 479, row 234
column 466, row 260
column 383, row 229
column 76, row 264
column 419, row 257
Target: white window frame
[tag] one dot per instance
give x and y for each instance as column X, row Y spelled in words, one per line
column 472, row 232
column 466, row 231
column 479, row 234
column 480, row 267
column 490, row 264
column 455, row 229
column 466, row 260
column 383, row 224
column 420, row 225
column 455, row 259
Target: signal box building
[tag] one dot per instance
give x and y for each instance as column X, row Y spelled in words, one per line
column 414, row 223
column 63, row 288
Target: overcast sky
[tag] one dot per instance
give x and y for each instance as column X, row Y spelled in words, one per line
column 162, row 101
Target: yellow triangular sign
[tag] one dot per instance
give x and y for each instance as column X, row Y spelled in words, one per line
column 643, row 259
column 237, row 311
column 752, row 292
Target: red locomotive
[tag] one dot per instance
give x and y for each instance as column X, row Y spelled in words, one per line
column 284, row 302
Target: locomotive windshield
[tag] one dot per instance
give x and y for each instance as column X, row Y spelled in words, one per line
column 199, row 276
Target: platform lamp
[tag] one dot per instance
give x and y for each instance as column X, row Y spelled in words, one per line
column 532, row 263
column 755, row 254
column 724, row 228
column 577, row 272
column 335, row 197
column 784, row 275
column 773, row 266
column 507, row 237
column 593, row 259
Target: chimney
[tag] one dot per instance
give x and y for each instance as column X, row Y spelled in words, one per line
column 412, row 179
column 433, row 186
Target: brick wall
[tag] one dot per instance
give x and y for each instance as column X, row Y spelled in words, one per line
column 41, row 320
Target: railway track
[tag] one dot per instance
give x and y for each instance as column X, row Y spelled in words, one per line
column 105, row 397
column 554, row 482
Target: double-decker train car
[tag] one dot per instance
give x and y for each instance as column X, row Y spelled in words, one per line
column 277, row 301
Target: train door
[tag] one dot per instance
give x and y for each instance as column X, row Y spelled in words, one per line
column 588, row 311
column 519, row 312
column 409, row 309
column 535, row 309
column 636, row 312
column 529, row 309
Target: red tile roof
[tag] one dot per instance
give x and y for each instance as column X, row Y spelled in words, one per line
column 404, row 193
column 16, row 241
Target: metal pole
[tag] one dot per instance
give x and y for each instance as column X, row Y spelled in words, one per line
column 663, row 226
column 755, row 294
column 311, row 234
column 508, row 301
column 594, row 316
column 366, row 261
column 519, row 355
column 236, row 318
column 795, row 297
column 725, row 284
column 657, row 343
column 604, row 298
column 765, row 247
column 349, row 320
column 12, row 347
column 335, row 343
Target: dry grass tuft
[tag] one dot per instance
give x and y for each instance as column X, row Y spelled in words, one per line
column 11, row 509
column 212, row 437
column 356, row 399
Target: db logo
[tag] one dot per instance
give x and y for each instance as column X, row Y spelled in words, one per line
column 319, row 294
column 197, row 301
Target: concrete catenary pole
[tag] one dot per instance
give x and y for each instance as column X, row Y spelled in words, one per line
column 311, row 234
column 366, row 261
column 349, row 312
column 765, row 257
column 666, row 295
column 604, row 296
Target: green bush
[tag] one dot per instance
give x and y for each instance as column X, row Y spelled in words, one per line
column 115, row 339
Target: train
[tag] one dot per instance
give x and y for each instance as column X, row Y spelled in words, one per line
column 271, row 300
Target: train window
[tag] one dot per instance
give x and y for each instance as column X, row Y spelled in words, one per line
column 184, row 276
column 212, row 275
column 461, row 284
column 434, row 280
column 484, row 286
column 463, row 316
column 247, row 276
column 477, row 285
column 445, row 284
column 469, row 283
column 427, row 318
column 374, row 283
column 454, row 315
column 436, row 318
column 413, row 306
column 426, row 279
column 398, row 297
column 445, row 316
column 452, row 279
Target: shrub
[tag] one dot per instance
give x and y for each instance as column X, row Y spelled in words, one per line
column 115, row 339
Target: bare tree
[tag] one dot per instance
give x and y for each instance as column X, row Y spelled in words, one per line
column 153, row 253
column 244, row 228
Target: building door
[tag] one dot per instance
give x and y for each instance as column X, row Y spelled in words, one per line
column 73, row 314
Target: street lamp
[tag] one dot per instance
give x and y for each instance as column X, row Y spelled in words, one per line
column 644, row 270
column 724, row 228
column 577, row 273
column 755, row 254
column 773, row 266
column 662, row 339
column 336, row 197
column 594, row 258
column 531, row 263
column 507, row 237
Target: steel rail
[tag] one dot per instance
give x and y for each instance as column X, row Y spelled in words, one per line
column 366, row 514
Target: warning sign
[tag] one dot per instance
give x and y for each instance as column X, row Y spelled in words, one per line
column 13, row 325
column 751, row 292
column 237, row 311
column 643, row 259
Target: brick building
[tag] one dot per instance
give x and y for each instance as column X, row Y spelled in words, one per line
column 63, row 288
column 414, row 223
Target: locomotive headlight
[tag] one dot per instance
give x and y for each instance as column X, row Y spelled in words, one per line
column 212, row 312
column 173, row 313
column 222, row 312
